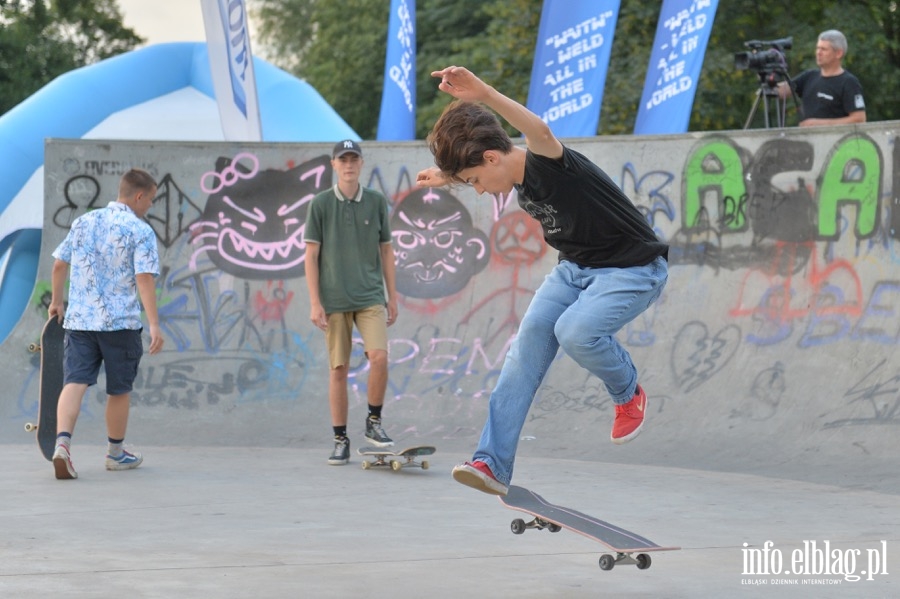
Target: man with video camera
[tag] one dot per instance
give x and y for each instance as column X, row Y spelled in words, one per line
column 829, row 94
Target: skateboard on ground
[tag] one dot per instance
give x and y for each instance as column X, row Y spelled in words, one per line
column 554, row 518
column 51, row 348
column 407, row 457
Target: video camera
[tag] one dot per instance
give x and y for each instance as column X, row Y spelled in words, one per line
column 764, row 62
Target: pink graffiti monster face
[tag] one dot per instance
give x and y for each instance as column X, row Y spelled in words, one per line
column 253, row 223
column 437, row 247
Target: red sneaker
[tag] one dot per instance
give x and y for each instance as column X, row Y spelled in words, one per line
column 478, row 475
column 629, row 418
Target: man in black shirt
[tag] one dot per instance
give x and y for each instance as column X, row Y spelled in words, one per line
column 829, row 94
column 611, row 268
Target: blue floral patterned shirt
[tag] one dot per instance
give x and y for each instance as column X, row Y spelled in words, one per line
column 106, row 248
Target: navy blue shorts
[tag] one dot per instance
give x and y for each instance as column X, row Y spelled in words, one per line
column 120, row 352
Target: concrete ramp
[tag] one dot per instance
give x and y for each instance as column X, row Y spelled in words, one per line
column 771, row 351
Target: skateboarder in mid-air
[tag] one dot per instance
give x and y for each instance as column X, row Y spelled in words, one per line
column 611, row 268
column 114, row 258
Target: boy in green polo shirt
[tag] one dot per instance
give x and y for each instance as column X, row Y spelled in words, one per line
column 349, row 266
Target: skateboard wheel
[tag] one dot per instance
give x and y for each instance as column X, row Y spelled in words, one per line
column 554, row 527
column 643, row 561
column 29, row 427
column 366, row 465
column 425, row 464
column 395, row 465
column 517, row 526
column 34, row 347
column 607, row 562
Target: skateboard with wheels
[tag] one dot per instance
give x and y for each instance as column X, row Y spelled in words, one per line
column 554, row 518
column 396, row 459
column 51, row 348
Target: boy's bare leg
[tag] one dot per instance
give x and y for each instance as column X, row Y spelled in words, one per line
column 337, row 395
column 117, row 408
column 69, row 407
column 378, row 377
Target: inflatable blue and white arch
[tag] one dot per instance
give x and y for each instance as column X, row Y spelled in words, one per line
column 161, row 92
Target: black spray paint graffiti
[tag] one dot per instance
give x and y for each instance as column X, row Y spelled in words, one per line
column 253, row 223
column 197, row 380
column 170, row 215
column 765, row 397
column 785, row 215
column 437, row 248
column 173, row 212
column 875, row 399
column 81, row 194
column 697, row 356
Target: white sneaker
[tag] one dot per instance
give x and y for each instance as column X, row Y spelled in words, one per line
column 62, row 464
column 127, row 461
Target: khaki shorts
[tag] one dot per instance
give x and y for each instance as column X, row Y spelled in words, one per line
column 372, row 325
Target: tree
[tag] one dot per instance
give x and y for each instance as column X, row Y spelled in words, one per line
column 339, row 47
column 499, row 48
column 41, row 40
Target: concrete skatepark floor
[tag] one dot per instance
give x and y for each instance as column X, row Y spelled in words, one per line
column 262, row 522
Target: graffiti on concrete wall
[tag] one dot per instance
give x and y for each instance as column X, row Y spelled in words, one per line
column 438, row 249
column 796, row 239
column 252, row 225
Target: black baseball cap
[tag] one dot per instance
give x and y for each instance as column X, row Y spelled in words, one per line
column 348, row 146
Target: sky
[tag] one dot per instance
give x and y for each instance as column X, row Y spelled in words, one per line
column 160, row 21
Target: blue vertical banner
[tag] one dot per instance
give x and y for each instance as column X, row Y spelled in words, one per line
column 570, row 61
column 397, row 121
column 675, row 63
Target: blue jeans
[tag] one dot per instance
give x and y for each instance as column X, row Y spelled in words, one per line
column 579, row 309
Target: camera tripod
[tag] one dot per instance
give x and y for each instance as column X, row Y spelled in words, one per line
column 768, row 89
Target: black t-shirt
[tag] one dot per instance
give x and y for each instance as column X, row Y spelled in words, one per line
column 584, row 214
column 828, row 97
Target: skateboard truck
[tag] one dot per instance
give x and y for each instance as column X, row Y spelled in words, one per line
column 519, row 526
column 641, row 560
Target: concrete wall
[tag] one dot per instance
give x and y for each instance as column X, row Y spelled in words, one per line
column 772, row 347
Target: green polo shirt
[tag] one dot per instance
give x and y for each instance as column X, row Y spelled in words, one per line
column 350, row 233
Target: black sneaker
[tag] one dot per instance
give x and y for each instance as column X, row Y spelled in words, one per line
column 341, row 453
column 375, row 434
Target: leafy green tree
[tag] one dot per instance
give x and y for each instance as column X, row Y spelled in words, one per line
column 441, row 28
column 41, row 40
column 339, row 47
column 495, row 39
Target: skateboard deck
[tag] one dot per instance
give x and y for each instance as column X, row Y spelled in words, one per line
column 554, row 518
column 51, row 385
column 406, row 457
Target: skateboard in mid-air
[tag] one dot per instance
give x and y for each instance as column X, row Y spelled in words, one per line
column 51, row 348
column 554, row 518
column 396, row 459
